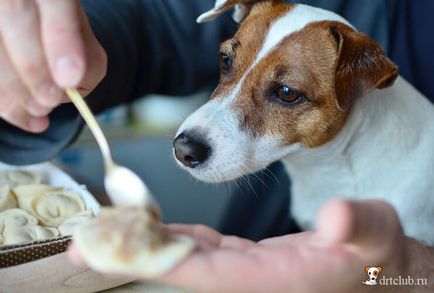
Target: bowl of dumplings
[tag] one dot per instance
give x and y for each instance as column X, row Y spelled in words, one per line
column 40, row 206
column 33, row 211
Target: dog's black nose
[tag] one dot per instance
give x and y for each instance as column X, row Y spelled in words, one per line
column 190, row 150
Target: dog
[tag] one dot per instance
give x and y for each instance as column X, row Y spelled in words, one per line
column 301, row 85
column 373, row 273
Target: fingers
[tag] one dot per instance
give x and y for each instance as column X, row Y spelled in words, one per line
column 214, row 239
column 335, row 221
column 74, row 255
column 221, row 270
column 236, row 242
column 200, row 233
column 17, row 116
column 13, row 100
column 21, row 39
column 44, row 45
column 62, row 39
column 365, row 223
column 204, row 270
column 13, row 91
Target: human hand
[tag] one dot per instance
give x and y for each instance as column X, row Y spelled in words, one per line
column 349, row 236
column 45, row 46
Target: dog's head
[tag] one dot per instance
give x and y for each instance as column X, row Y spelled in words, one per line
column 288, row 79
column 373, row 272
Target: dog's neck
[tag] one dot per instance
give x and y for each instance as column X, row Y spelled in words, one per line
column 376, row 148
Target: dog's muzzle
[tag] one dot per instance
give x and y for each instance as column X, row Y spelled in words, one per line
column 190, row 150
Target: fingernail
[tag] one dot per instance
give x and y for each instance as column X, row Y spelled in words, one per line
column 69, row 71
column 37, row 109
column 49, row 95
column 37, row 124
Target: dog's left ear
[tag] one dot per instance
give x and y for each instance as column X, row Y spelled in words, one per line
column 361, row 66
column 379, row 269
column 242, row 9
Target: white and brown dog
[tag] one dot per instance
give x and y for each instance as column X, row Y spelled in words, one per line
column 373, row 273
column 301, row 85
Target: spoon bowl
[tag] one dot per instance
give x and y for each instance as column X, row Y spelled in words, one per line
column 122, row 185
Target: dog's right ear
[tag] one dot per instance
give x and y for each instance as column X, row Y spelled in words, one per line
column 242, row 9
column 367, row 269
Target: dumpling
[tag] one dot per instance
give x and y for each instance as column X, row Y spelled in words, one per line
column 29, row 233
column 15, row 218
column 25, row 193
column 7, row 199
column 130, row 240
column 67, row 227
column 50, row 205
column 16, row 177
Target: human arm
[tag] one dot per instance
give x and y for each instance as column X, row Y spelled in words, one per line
column 152, row 47
column 349, row 236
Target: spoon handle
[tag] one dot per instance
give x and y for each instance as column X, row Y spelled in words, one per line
column 94, row 127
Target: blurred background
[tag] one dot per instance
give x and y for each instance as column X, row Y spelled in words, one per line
column 141, row 135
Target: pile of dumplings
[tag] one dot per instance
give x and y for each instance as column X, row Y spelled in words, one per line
column 30, row 210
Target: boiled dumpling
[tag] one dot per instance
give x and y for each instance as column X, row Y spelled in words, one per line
column 7, row 199
column 15, row 177
column 50, row 205
column 67, row 227
column 15, row 218
column 29, row 233
column 130, row 240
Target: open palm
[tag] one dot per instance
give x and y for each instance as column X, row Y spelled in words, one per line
column 348, row 237
column 330, row 259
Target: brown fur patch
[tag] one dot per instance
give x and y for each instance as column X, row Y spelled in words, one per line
column 249, row 40
column 306, row 61
column 362, row 65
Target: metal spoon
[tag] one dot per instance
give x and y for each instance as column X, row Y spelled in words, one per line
column 122, row 185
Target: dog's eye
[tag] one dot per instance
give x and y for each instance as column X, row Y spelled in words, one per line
column 288, row 95
column 225, row 62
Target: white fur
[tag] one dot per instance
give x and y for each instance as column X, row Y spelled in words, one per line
column 240, row 12
column 213, row 13
column 220, row 3
column 385, row 151
column 293, row 21
column 234, row 152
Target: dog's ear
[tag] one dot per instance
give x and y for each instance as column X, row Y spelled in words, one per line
column 361, row 66
column 367, row 269
column 242, row 9
column 379, row 269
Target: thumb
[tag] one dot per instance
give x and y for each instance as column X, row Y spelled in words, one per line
column 365, row 223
